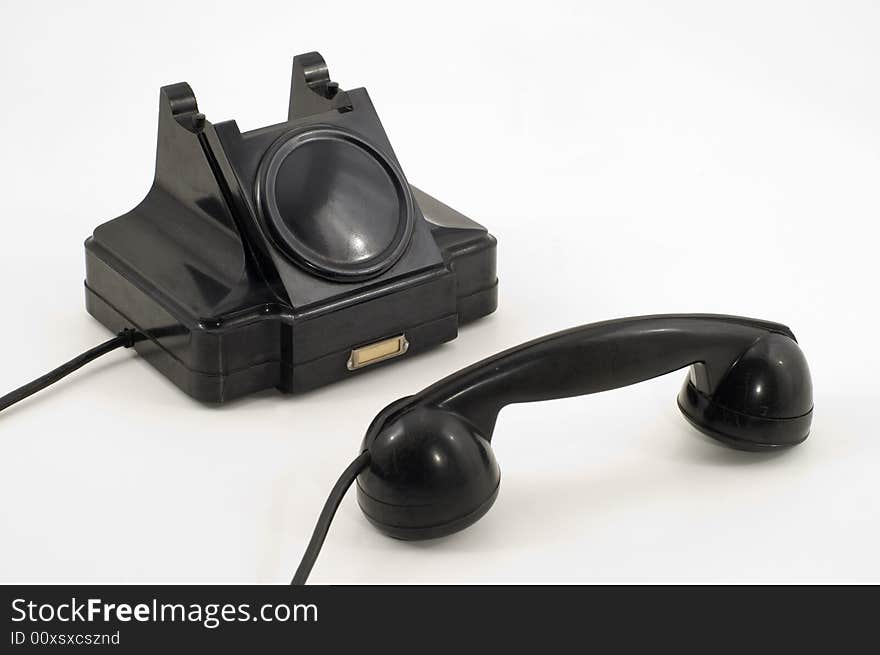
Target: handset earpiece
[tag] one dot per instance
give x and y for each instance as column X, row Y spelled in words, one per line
column 764, row 401
column 431, row 470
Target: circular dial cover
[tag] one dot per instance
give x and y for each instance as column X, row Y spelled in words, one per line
column 335, row 204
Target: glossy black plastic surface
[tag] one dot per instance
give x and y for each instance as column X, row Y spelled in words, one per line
column 763, row 402
column 261, row 259
column 335, row 204
column 432, row 471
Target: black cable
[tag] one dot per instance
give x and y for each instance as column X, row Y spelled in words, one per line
column 336, row 495
column 126, row 338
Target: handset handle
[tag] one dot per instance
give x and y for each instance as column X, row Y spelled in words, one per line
column 597, row 357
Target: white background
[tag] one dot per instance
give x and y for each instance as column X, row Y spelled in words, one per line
column 630, row 158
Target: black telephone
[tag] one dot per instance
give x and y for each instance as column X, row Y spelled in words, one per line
column 290, row 256
column 297, row 254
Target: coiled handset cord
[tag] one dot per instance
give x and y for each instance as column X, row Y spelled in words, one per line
column 125, row 339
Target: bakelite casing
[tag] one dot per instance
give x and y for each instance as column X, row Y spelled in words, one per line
column 432, row 470
column 264, row 258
